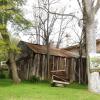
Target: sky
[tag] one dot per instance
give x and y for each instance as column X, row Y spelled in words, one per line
column 71, row 6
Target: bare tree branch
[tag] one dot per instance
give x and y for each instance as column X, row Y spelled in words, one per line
column 80, row 5
column 97, row 6
column 70, row 14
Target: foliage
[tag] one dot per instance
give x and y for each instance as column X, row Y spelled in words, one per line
column 34, row 79
column 3, row 50
column 10, row 11
column 53, row 84
column 44, row 81
column 95, row 59
column 2, row 75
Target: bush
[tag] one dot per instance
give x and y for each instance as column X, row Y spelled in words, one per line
column 2, row 76
column 44, row 81
column 53, row 84
column 34, row 79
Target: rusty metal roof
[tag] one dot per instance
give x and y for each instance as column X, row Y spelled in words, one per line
column 76, row 46
column 42, row 49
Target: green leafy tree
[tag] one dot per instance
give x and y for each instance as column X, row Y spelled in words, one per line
column 9, row 11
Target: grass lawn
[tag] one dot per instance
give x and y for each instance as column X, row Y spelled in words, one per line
column 43, row 91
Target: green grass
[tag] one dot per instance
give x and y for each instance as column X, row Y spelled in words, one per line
column 43, row 91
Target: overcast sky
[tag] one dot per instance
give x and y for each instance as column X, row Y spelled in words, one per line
column 71, row 6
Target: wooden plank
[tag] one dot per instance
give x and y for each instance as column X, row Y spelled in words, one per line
column 66, row 69
column 60, row 82
column 53, row 62
column 34, row 65
column 28, row 68
column 57, row 63
column 60, row 63
column 58, row 78
column 57, row 70
column 43, row 67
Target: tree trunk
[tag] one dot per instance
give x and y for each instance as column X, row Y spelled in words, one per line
column 89, row 12
column 13, row 66
column 93, row 78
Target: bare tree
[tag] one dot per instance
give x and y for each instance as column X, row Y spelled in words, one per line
column 44, row 23
column 62, row 34
column 45, row 20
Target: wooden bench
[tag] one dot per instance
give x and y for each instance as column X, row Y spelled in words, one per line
column 59, row 78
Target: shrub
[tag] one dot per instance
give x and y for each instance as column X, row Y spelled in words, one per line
column 34, row 79
column 44, row 81
column 2, row 76
column 53, row 84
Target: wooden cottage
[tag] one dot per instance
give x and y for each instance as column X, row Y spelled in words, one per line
column 33, row 61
